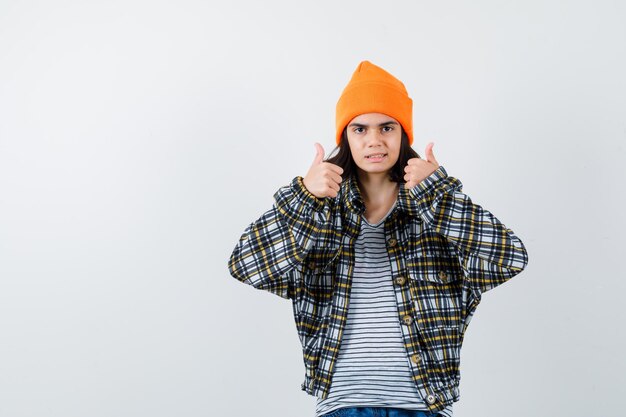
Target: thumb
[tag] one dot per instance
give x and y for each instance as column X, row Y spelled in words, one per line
column 430, row 156
column 319, row 156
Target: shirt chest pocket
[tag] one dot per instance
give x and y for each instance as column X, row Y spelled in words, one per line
column 435, row 267
column 319, row 267
column 319, row 271
column 436, row 281
column 430, row 258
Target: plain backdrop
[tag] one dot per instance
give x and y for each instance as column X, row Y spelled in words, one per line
column 139, row 138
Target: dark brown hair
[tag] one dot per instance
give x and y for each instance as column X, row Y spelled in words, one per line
column 344, row 159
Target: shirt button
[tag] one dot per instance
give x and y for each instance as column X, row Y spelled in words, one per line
column 443, row 275
column 415, row 359
column 400, row 280
column 311, row 265
column 392, row 242
column 407, row 319
column 430, row 399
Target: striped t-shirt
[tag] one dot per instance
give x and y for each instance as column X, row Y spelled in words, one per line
column 372, row 368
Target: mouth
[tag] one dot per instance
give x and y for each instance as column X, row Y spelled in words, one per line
column 376, row 157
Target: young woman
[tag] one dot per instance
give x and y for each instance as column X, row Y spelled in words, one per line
column 384, row 258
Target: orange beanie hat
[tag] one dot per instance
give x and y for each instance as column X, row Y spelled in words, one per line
column 374, row 90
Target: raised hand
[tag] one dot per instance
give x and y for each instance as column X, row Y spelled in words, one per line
column 418, row 169
column 323, row 178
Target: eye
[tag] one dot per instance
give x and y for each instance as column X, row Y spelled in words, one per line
column 358, row 130
column 387, row 128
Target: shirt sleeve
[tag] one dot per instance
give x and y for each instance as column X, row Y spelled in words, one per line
column 489, row 252
column 273, row 245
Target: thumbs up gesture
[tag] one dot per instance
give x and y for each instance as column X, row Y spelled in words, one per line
column 323, row 178
column 418, row 169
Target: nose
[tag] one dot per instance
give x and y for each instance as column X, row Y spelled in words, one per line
column 375, row 138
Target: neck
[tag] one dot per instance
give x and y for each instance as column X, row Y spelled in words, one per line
column 377, row 188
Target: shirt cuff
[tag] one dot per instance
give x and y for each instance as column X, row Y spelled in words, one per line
column 304, row 195
column 428, row 184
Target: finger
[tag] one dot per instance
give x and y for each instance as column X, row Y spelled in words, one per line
column 415, row 161
column 331, row 190
column 335, row 177
column 319, row 156
column 409, row 181
column 335, row 168
column 333, row 185
column 430, row 156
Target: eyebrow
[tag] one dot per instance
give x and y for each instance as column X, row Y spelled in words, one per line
column 390, row 122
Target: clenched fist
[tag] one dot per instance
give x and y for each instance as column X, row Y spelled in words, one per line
column 323, row 178
column 418, row 169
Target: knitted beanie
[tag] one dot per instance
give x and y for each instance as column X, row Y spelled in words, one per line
column 373, row 90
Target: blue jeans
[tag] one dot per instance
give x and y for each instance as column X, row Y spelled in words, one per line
column 378, row 412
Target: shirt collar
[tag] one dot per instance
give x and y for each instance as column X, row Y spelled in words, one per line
column 352, row 199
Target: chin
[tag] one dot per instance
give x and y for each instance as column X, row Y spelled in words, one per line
column 376, row 170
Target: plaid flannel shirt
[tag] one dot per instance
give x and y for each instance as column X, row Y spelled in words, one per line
column 444, row 251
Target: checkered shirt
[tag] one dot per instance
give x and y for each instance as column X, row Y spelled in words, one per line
column 444, row 250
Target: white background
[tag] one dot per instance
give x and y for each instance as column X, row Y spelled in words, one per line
column 139, row 138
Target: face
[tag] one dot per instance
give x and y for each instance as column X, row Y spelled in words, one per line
column 374, row 140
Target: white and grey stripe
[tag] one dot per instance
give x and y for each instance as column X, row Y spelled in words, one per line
column 372, row 369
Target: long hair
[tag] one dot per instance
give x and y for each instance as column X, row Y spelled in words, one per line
column 344, row 159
